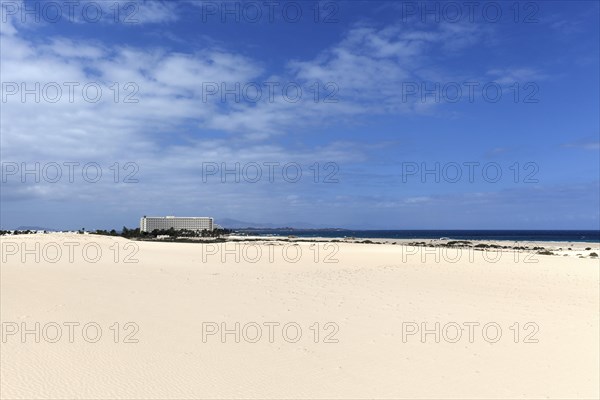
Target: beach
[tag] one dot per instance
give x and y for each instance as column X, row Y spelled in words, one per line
column 87, row 316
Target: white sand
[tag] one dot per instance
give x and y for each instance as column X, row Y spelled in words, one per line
column 368, row 294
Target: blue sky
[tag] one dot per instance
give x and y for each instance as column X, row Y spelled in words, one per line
column 388, row 77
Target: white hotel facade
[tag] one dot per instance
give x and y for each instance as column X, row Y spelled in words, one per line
column 148, row 224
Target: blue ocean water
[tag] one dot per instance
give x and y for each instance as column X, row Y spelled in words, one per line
column 513, row 235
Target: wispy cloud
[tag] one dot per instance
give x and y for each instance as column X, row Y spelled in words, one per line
column 586, row 145
column 173, row 127
column 507, row 76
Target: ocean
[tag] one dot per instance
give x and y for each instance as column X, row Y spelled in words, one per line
column 513, row 235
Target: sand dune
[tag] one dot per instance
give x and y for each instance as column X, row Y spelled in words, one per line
column 336, row 320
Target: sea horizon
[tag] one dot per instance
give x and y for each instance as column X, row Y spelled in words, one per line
column 545, row 235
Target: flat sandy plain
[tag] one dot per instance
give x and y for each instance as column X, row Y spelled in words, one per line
column 123, row 319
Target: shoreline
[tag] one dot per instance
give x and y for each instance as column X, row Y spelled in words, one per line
column 583, row 250
column 340, row 239
column 538, row 236
column 553, row 248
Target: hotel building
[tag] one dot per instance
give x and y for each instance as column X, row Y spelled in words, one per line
column 148, row 224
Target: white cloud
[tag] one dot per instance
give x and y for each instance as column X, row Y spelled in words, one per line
column 586, row 145
column 171, row 130
column 157, row 133
column 509, row 76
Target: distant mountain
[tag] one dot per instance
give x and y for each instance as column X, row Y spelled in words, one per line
column 236, row 224
column 229, row 223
